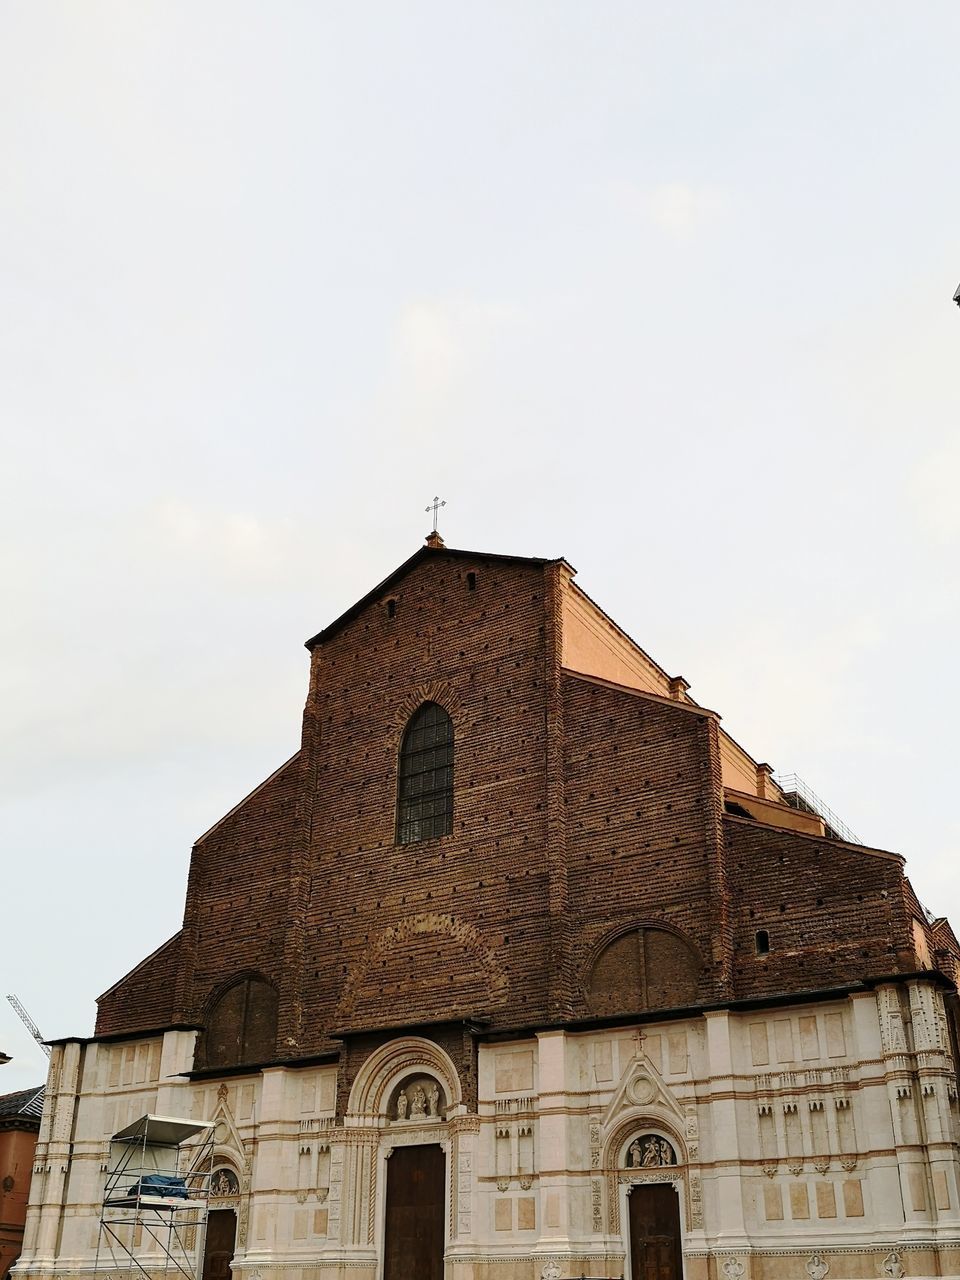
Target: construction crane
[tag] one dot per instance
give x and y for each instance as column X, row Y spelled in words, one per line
column 29, row 1023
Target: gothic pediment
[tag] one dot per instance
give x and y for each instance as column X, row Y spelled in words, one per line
column 226, row 1136
column 641, row 1089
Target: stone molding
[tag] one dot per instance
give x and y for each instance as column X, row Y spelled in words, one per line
column 386, row 1067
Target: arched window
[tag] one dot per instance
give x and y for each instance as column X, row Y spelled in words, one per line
column 242, row 1025
column 425, row 785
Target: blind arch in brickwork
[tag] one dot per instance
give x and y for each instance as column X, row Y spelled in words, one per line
column 241, row 1023
column 643, row 967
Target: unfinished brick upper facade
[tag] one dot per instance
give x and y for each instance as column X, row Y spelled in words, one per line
column 586, row 810
column 627, row 991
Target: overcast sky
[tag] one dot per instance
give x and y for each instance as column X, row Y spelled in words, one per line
column 663, row 289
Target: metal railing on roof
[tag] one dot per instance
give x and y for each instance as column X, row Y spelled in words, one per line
column 798, row 795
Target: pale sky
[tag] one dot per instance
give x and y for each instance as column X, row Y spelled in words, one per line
column 663, row 289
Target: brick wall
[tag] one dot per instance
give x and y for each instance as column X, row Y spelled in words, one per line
column 643, row 829
column 144, row 999
column 583, row 812
column 444, row 928
column 835, row 914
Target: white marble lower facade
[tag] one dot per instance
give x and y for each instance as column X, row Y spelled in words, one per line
column 809, row 1142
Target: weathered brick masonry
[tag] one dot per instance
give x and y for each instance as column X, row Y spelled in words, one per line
column 619, row 986
column 581, row 808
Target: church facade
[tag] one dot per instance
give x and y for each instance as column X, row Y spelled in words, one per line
column 522, row 968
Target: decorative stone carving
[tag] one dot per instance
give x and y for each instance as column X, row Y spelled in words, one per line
column 816, row 1268
column 848, row 1164
column 550, row 1271
column 770, row 1170
column 796, row 1169
column 892, row 1266
column 821, row 1166
column 928, row 1018
column 642, row 1089
column 596, row 1204
column 696, row 1202
column 224, row 1183
column 891, row 1021
column 650, row 1152
column 503, row 1184
column 419, row 1098
column 732, row 1269
column 596, row 1136
column 691, row 1130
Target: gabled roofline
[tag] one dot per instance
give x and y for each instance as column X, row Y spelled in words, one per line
column 136, row 968
column 418, row 557
column 249, row 796
column 691, row 708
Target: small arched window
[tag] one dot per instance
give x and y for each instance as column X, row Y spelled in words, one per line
column 242, row 1025
column 425, row 784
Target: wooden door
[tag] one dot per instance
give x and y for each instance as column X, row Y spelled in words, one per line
column 655, row 1233
column 218, row 1249
column 413, row 1244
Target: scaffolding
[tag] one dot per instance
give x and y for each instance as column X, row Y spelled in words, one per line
column 153, row 1217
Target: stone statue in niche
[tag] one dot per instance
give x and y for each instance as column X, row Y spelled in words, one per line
column 433, row 1101
column 650, row 1152
column 402, row 1106
column 418, row 1102
column 224, row 1183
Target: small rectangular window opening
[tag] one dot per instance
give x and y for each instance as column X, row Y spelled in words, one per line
column 471, row 581
column 391, row 608
column 763, row 942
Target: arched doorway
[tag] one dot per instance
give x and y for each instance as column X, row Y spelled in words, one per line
column 414, row 1220
column 220, row 1244
column 654, row 1211
column 221, row 1237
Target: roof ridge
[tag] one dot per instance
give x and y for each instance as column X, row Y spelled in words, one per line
column 421, row 554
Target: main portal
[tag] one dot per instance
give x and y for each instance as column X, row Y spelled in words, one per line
column 655, row 1233
column 413, row 1237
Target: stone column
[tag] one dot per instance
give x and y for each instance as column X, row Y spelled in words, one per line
column 174, row 1092
column 269, row 1227
column 464, row 1158
column 64, row 1082
column 554, row 1145
column 726, row 1222
column 872, row 1116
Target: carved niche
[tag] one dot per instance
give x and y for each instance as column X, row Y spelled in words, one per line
column 417, row 1099
column 650, row 1151
column 224, row 1183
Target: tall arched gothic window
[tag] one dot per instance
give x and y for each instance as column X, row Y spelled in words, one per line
column 425, row 784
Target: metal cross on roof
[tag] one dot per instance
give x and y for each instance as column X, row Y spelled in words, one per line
column 435, row 506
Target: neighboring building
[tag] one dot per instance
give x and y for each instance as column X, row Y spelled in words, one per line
column 19, row 1125
column 523, row 964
